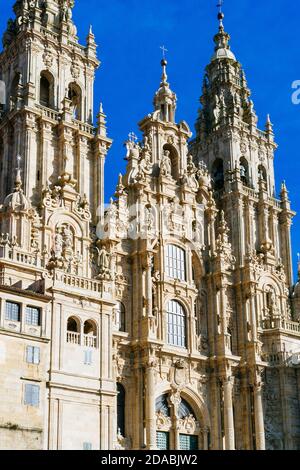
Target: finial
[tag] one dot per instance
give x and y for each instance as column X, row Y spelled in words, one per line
column 91, row 29
column 164, row 64
column 284, row 194
column 132, row 137
column 298, row 255
column 164, row 77
column 221, row 15
column 18, row 180
column 269, row 125
column 101, row 122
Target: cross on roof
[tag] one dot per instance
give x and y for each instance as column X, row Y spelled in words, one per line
column 220, row 5
column 132, row 137
column 164, row 50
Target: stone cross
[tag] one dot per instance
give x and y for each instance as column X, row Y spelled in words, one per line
column 132, row 137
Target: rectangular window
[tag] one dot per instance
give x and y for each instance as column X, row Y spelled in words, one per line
column 33, row 355
column 33, row 315
column 87, row 446
column 12, row 311
column 175, row 263
column 163, row 440
column 32, row 395
column 88, row 357
column 188, row 442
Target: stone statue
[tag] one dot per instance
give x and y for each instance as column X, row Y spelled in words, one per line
column 58, row 244
column 216, row 111
column 104, row 263
column 68, row 238
column 149, row 219
column 165, row 168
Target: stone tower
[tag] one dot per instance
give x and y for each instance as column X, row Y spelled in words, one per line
column 56, row 289
column 169, row 320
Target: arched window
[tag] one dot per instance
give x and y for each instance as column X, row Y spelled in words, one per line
column 185, row 410
column 162, row 405
column 262, row 175
column 73, row 330
column 14, row 90
column 244, row 171
column 44, row 92
column 218, row 174
column 176, row 324
column 120, row 317
column 175, row 262
column 90, row 334
column 171, row 420
column 74, row 96
column 121, row 409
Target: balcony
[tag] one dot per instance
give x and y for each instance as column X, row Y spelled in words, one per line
column 283, row 325
column 73, row 338
column 88, row 340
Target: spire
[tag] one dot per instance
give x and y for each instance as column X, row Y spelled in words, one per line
column 221, row 39
column 18, row 179
column 101, row 122
column 165, row 99
column 284, row 192
column 91, row 46
column 269, row 128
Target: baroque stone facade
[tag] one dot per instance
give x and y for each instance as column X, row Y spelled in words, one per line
column 169, row 319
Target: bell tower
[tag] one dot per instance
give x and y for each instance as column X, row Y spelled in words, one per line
column 48, row 116
column 240, row 159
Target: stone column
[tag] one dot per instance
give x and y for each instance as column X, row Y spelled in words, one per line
column 98, row 200
column 205, row 432
column 149, row 284
column 253, row 313
column 228, row 414
column 259, row 418
column 150, row 407
column 104, row 438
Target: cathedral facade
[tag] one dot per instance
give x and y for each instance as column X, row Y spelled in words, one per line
column 168, row 319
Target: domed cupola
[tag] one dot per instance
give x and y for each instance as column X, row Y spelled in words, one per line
column 222, row 49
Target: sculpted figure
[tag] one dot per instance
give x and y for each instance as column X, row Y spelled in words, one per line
column 165, row 168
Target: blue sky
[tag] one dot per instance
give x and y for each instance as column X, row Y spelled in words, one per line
column 264, row 37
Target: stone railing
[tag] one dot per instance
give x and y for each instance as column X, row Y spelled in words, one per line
column 83, row 127
column 73, row 338
column 262, row 134
column 291, row 327
column 77, row 282
column 48, row 113
column 18, row 256
column 90, row 341
column 276, row 359
column 283, row 325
